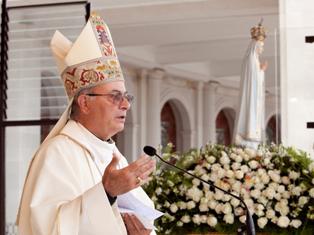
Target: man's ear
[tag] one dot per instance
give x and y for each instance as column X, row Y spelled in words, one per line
column 83, row 104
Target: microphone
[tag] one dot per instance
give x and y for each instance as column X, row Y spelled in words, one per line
column 250, row 228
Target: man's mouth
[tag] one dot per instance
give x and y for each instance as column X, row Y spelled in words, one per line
column 122, row 117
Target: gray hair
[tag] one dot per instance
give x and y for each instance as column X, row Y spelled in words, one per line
column 75, row 108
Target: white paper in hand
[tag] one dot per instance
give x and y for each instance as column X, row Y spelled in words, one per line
column 129, row 203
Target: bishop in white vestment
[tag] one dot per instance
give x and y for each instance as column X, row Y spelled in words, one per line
column 64, row 191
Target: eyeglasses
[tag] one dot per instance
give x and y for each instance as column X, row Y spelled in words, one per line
column 116, row 97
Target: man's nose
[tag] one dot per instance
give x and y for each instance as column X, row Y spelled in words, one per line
column 125, row 104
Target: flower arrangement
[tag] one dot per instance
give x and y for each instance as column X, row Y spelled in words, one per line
column 276, row 183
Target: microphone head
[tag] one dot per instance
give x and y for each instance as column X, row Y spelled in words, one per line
column 149, row 151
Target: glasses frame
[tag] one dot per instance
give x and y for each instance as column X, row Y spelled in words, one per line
column 114, row 96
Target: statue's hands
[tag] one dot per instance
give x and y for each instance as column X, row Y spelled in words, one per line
column 264, row 65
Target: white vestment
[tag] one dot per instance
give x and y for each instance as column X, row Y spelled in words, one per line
column 63, row 193
column 249, row 125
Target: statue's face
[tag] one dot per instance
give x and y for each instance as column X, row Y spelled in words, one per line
column 259, row 47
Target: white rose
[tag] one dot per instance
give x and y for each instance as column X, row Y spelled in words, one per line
column 294, row 175
column 179, row 223
column 311, row 192
column 203, row 207
column 311, row 167
column 266, row 161
column 181, row 205
column 158, row 190
column 227, row 209
column 212, row 221
column 229, row 173
column 313, row 181
column 220, row 173
column 199, row 170
column 265, row 178
column 212, row 204
column 295, row 223
column 173, row 208
column 253, row 164
column 296, row 191
column 285, row 180
column 218, row 195
column 186, row 219
column 196, row 219
column 234, row 202
column 277, row 196
column 270, row 213
column 256, row 193
column 282, row 208
column 281, row 189
column 235, row 166
column 190, row 205
column 263, row 200
column 303, row 200
column 195, row 194
column 203, row 219
column 286, row 194
column 261, row 172
column 274, row 176
column 259, row 186
column 238, row 211
column 229, row 218
column 239, row 174
column 237, row 186
column 250, row 152
column 238, row 158
column 233, row 156
column 227, row 167
column 242, row 219
column 244, row 168
column 167, row 204
column 261, row 222
column 216, row 167
column 224, row 160
column 205, row 177
column 213, row 177
column 218, row 208
column 196, row 182
column 270, row 193
column 283, row 221
column 211, row 159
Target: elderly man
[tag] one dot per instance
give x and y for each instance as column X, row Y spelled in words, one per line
column 77, row 174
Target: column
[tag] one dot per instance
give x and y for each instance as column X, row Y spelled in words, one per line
column 142, row 110
column 209, row 112
column 153, row 129
column 199, row 114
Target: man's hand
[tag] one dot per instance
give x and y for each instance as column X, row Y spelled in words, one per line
column 134, row 226
column 119, row 181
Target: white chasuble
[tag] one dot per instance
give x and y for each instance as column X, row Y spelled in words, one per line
column 63, row 193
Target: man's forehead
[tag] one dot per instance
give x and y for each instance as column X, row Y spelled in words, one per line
column 111, row 86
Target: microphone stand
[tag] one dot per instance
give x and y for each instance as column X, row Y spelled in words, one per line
column 250, row 228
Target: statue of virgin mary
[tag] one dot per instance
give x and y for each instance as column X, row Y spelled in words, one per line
column 249, row 125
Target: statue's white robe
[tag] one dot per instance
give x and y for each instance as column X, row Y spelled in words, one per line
column 249, row 124
column 63, row 193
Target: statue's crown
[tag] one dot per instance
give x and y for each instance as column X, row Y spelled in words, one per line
column 258, row 32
